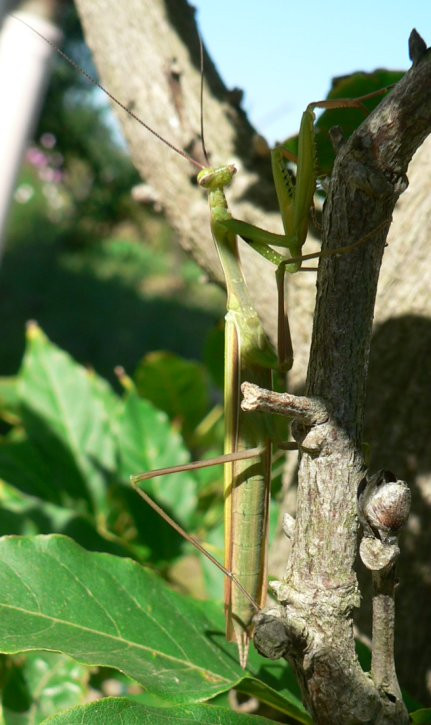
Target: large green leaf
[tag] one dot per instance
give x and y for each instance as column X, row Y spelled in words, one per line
column 79, row 442
column 107, row 611
column 282, row 693
column 40, row 685
column 352, row 86
column 65, row 417
column 104, row 610
column 113, row 710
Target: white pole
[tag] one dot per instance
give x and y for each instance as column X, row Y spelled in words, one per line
column 24, row 73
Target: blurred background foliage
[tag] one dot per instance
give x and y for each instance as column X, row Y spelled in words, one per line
column 100, row 273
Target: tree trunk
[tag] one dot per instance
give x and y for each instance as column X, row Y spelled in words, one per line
column 147, row 54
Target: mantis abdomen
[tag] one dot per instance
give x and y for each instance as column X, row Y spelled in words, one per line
column 248, row 356
column 247, row 491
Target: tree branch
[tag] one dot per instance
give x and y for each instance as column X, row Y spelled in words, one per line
column 320, row 588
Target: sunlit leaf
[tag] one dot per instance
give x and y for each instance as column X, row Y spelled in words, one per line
column 66, row 419
column 127, row 712
column 109, row 611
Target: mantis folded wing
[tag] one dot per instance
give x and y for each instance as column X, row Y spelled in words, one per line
column 295, row 201
column 248, row 355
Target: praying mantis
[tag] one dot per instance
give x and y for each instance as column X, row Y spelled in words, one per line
column 249, row 355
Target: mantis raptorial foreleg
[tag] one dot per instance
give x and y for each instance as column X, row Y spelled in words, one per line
column 295, row 201
column 249, row 355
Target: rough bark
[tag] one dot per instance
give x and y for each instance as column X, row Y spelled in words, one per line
column 320, row 588
column 147, row 55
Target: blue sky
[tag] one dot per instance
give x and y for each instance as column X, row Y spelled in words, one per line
column 283, row 54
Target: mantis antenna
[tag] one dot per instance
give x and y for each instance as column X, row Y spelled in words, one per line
column 192, row 540
column 96, row 83
column 201, row 56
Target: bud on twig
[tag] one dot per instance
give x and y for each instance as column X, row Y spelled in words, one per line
column 383, row 505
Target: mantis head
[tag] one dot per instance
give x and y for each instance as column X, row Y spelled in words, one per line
column 216, row 178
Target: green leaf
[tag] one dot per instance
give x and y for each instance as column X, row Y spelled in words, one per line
column 104, row 610
column 107, row 611
column 103, row 393
column 80, row 445
column 41, row 685
column 146, row 441
column 352, row 86
column 348, row 119
column 64, row 415
column 23, row 465
column 9, row 399
column 178, row 387
column 29, row 514
column 286, row 698
column 214, row 584
column 421, row 717
column 112, row 710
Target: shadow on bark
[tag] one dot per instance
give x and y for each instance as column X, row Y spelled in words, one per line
column 397, row 426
